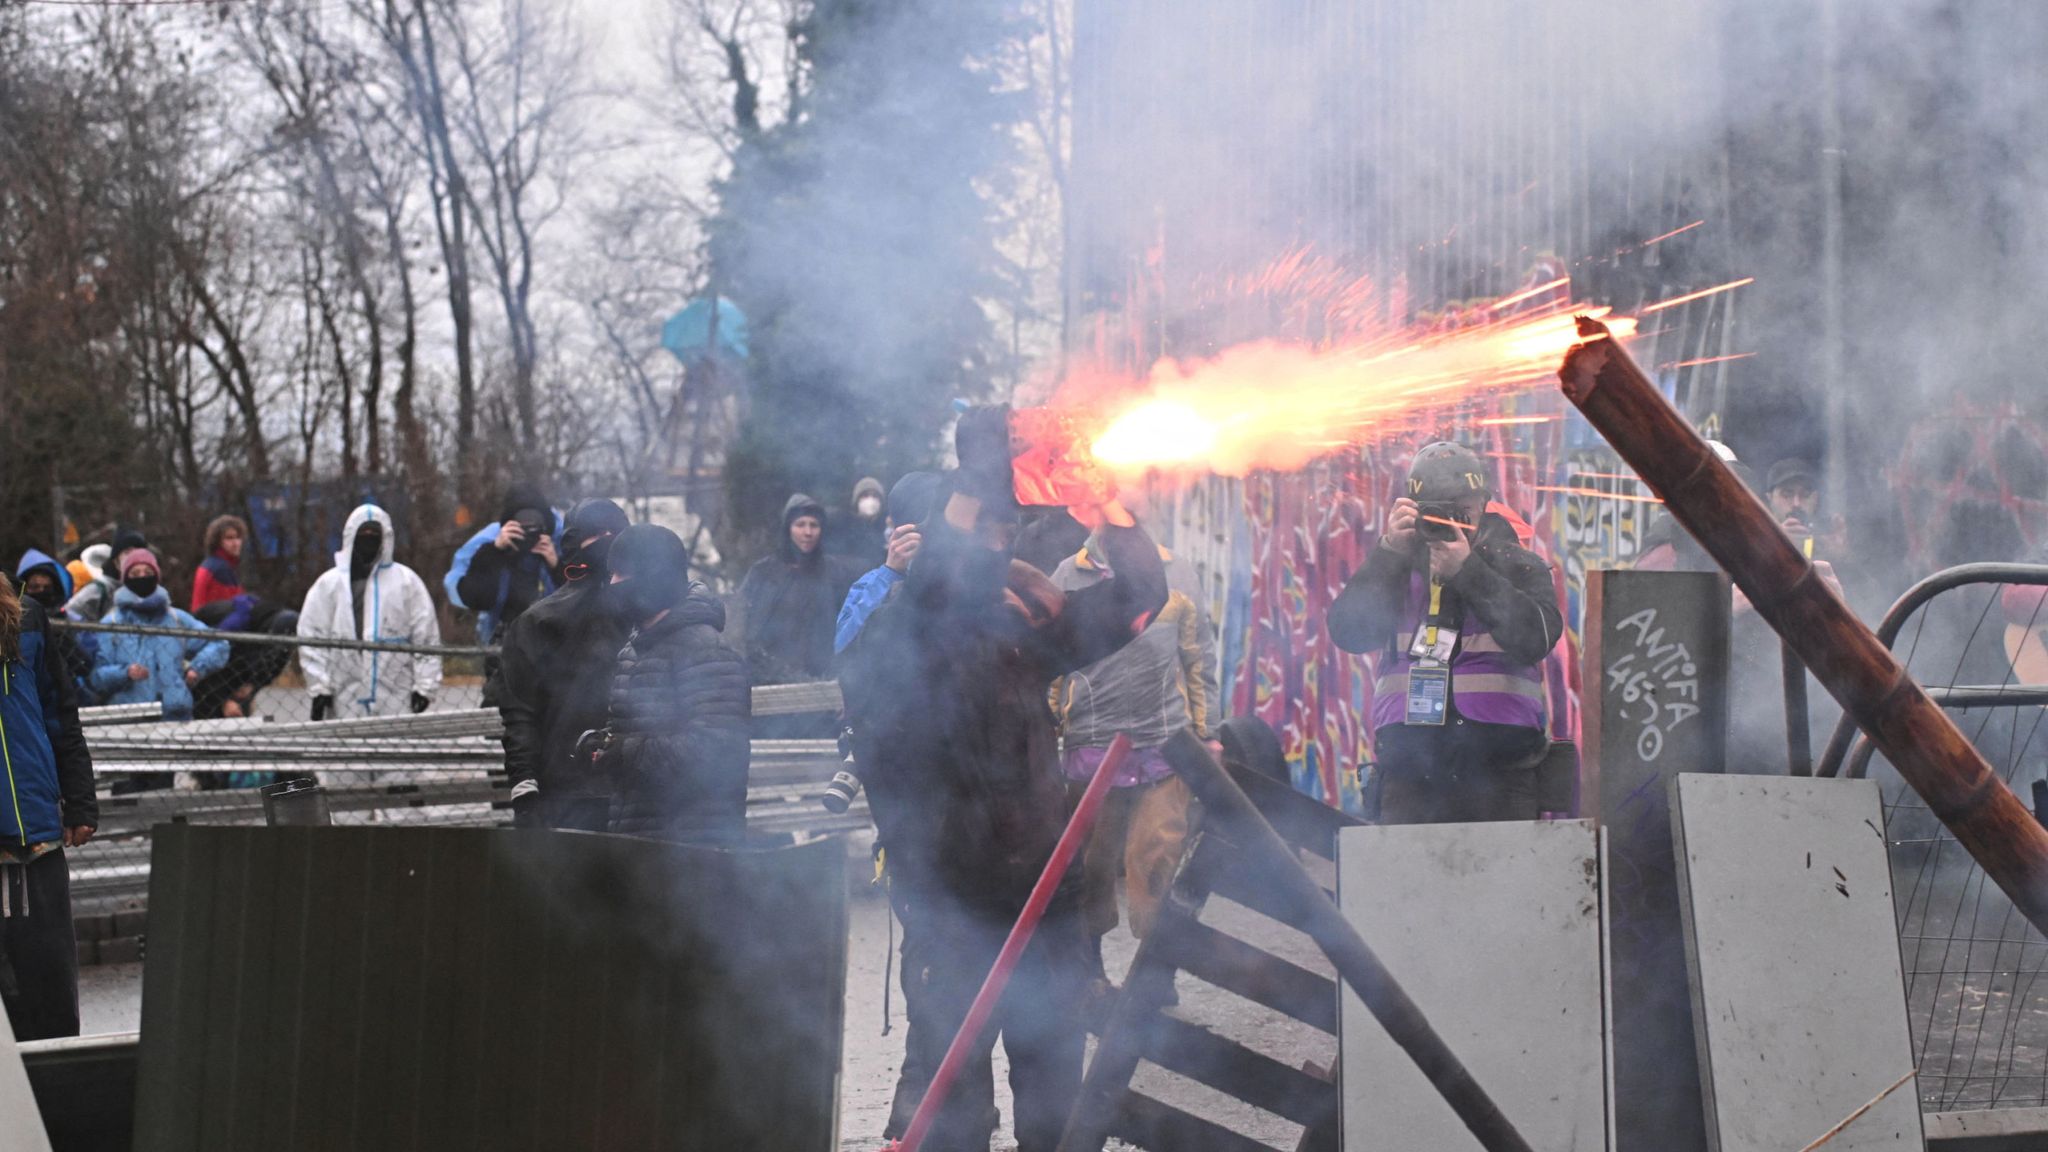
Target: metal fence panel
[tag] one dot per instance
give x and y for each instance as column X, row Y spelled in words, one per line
column 444, row 988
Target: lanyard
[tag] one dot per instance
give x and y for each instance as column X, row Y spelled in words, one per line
column 1436, row 607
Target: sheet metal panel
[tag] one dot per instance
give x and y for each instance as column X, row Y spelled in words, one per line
column 1494, row 930
column 435, row 988
column 1799, row 996
column 1656, row 658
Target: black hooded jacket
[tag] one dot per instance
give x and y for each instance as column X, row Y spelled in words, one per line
column 680, row 710
column 790, row 603
column 947, row 692
column 558, row 659
column 1505, row 584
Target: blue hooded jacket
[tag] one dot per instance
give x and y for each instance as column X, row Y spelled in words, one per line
column 487, row 614
column 164, row 657
column 47, row 781
column 36, row 558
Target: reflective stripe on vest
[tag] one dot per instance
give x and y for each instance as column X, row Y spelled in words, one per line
column 1471, row 682
column 1486, row 686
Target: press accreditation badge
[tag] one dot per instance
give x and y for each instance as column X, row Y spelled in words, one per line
column 1434, row 644
column 1429, row 691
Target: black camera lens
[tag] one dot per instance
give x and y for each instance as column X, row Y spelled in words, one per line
column 1439, row 521
column 839, row 794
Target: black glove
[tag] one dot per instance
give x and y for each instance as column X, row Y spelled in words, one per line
column 419, row 703
column 982, row 441
column 323, row 707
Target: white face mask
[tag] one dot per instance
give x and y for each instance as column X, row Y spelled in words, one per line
column 869, row 506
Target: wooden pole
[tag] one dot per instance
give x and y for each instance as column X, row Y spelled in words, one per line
column 1798, row 740
column 1850, row 662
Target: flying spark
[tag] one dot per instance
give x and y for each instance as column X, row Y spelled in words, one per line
column 1689, row 297
column 1710, row 360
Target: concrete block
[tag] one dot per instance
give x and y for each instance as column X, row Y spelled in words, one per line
column 1494, row 930
column 121, row 950
column 1799, row 997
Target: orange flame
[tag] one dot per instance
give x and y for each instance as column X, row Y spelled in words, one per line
column 1269, row 405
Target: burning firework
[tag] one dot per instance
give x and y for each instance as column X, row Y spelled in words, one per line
column 1269, row 405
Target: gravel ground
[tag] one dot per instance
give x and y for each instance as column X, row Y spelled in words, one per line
column 111, row 1001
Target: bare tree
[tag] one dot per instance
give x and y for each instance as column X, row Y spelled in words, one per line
column 513, row 111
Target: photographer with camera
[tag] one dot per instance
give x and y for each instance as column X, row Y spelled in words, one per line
column 1458, row 617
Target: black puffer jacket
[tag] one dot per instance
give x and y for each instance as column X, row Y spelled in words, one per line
column 947, row 692
column 556, row 680
column 680, row 709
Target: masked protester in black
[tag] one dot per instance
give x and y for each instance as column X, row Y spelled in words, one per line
column 947, row 690
column 555, row 681
column 680, row 704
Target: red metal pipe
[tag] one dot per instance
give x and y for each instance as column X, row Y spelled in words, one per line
column 984, row 1006
column 1700, row 492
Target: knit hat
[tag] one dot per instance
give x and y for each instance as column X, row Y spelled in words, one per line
column 141, row 558
column 913, row 498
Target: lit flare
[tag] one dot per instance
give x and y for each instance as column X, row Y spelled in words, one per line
column 1267, row 405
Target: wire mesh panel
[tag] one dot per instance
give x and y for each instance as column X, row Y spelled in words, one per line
column 406, row 739
column 1976, row 998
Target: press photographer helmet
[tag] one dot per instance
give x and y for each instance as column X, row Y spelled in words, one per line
column 1448, row 482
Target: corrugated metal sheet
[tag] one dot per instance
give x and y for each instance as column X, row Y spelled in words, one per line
column 351, row 988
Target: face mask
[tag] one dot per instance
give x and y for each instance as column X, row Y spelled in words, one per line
column 142, row 586
column 634, row 601
column 363, row 555
column 581, row 561
column 48, row 598
column 869, row 506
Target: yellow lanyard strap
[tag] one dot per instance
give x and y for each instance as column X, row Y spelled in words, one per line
column 1436, row 605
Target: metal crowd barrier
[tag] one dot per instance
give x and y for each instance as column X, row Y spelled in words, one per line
column 1976, row 999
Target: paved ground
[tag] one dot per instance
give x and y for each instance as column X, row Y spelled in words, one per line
column 111, row 998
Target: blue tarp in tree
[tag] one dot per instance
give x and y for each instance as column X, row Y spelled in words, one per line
column 687, row 334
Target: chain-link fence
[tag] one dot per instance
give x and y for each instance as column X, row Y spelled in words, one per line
column 1976, row 999
column 191, row 725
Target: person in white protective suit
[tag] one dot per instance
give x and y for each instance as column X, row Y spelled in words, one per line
column 369, row 596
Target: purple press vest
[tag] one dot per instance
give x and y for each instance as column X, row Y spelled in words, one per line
column 1485, row 685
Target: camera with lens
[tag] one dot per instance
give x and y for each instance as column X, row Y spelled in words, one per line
column 845, row 783
column 1439, row 521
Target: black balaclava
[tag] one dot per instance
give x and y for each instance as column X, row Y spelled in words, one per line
column 651, row 572
column 581, row 562
column 365, row 550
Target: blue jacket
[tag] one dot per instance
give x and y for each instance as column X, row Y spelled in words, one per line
column 862, row 599
column 164, row 656
column 48, row 772
column 36, row 558
column 486, row 614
